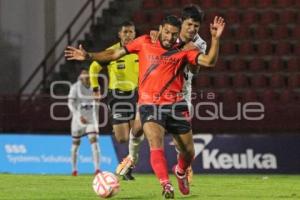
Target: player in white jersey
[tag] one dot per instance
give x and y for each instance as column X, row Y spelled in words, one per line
column 85, row 115
column 187, row 87
column 192, row 16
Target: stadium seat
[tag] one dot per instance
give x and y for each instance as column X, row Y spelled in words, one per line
column 232, row 17
column 256, row 64
column 169, row 3
column 237, row 64
column 265, row 48
column 267, row 17
column 230, row 96
column 139, row 17
column 287, row 97
column 241, row 33
column 280, row 32
column 249, row 18
column 246, row 3
column 205, row 4
column 296, row 49
column 275, row 64
column 277, row 81
column 156, row 17
column 294, row 81
column 249, row 95
column 227, row 48
column 269, row 96
column 221, row 81
column 296, row 31
column 293, row 65
column 203, row 80
column 221, row 65
column 150, row 4
column 283, row 49
column 262, row 32
column 284, row 3
column 287, row 17
column 264, row 3
column 246, row 48
column 240, row 81
column 187, row 2
column 259, row 81
column 225, row 3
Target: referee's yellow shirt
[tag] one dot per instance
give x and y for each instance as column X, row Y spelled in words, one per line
column 123, row 73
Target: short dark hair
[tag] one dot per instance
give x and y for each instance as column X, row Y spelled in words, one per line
column 126, row 23
column 172, row 20
column 194, row 12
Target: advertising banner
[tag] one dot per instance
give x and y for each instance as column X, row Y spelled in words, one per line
column 20, row 153
column 233, row 153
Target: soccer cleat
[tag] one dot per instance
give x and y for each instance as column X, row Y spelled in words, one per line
column 183, row 183
column 189, row 174
column 97, row 172
column 124, row 166
column 168, row 191
column 74, row 173
column 128, row 176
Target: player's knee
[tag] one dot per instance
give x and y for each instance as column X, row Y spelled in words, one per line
column 76, row 142
column 93, row 139
column 122, row 139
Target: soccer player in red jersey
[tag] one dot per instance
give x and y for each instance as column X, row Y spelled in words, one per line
column 161, row 104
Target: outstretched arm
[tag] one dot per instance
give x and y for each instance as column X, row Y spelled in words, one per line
column 72, row 53
column 216, row 30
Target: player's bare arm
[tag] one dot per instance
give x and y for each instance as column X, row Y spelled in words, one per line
column 72, row 53
column 216, row 30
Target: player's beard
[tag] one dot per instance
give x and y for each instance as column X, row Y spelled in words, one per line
column 162, row 44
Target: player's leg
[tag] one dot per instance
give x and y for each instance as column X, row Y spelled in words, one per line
column 179, row 125
column 74, row 152
column 189, row 171
column 153, row 123
column 155, row 135
column 93, row 138
column 136, row 137
column 186, row 154
column 125, row 167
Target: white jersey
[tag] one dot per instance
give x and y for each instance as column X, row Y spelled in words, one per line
column 188, row 75
column 81, row 103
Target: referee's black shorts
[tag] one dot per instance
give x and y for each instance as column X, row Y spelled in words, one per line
column 122, row 105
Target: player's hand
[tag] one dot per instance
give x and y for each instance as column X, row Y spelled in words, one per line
column 154, row 36
column 72, row 53
column 83, row 120
column 96, row 95
column 217, row 27
column 189, row 46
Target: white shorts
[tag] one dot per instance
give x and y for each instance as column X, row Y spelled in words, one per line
column 78, row 130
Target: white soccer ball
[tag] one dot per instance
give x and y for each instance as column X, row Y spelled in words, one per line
column 106, row 184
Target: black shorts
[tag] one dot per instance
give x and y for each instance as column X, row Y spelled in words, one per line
column 122, row 105
column 174, row 118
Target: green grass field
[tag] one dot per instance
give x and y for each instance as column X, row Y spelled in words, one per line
column 221, row 187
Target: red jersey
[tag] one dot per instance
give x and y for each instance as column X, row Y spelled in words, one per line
column 161, row 76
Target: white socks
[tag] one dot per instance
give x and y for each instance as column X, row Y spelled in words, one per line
column 74, row 150
column 134, row 146
column 96, row 154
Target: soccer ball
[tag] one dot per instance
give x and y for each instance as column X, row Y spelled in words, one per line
column 106, row 184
